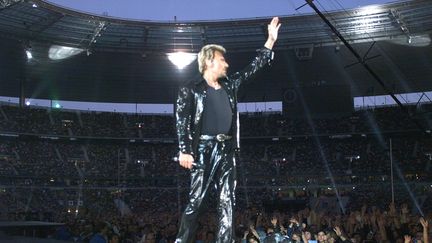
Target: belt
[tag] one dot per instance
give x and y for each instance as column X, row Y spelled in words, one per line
column 219, row 137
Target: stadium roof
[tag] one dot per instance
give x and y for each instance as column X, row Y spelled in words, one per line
column 125, row 60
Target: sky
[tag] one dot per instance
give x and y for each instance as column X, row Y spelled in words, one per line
column 193, row 10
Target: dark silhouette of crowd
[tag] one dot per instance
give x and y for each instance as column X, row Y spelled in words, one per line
column 365, row 177
column 123, row 125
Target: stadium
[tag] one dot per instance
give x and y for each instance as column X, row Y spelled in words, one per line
column 335, row 134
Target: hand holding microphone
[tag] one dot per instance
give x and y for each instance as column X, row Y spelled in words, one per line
column 185, row 160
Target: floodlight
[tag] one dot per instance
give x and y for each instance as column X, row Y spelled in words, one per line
column 29, row 54
column 181, row 59
column 62, row 52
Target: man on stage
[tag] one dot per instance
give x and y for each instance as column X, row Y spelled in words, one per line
column 208, row 131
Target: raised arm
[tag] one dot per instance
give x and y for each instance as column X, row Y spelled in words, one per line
column 263, row 58
column 425, row 225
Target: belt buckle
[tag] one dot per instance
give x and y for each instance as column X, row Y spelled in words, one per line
column 220, row 137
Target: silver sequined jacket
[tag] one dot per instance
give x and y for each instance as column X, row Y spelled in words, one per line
column 191, row 100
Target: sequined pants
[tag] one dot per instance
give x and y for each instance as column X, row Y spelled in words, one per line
column 215, row 168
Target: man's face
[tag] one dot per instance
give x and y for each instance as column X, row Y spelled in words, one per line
column 296, row 237
column 419, row 237
column 218, row 65
column 322, row 236
column 252, row 240
column 150, row 238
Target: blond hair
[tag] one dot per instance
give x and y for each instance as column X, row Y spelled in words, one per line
column 207, row 53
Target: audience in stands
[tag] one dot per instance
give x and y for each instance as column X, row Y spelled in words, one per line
column 332, row 187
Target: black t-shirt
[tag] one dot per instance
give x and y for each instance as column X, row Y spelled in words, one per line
column 217, row 114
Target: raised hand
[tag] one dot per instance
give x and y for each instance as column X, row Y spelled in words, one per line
column 274, row 221
column 392, row 209
column 338, row 231
column 273, row 29
column 405, row 209
column 424, row 223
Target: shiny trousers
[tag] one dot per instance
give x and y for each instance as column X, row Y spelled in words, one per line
column 215, row 168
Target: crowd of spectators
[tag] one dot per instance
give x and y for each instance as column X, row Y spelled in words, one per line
column 122, row 125
column 318, row 183
column 152, row 216
column 304, row 161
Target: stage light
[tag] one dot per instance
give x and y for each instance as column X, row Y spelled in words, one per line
column 29, row 54
column 181, row 59
column 369, row 10
column 365, row 19
column 62, row 52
